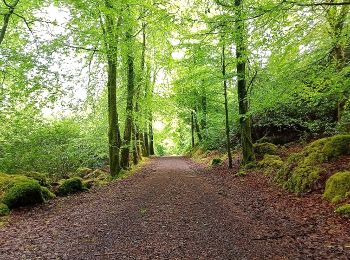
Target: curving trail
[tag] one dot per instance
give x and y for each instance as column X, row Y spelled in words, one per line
column 172, row 209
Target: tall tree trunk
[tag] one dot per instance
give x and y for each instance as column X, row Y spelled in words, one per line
column 197, row 128
column 192, row 128
column 111, row 43
column 204, row 116
column 151, row 135
column 125, row 153
column 135, row 155
column 141, row 82
column 241, row 56
column 228, row 140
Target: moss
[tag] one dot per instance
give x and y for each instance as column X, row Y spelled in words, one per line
column 4, row 210
column 337, row 187
column 81, row 172
column 47, row 194
column 40, row 177
column 261, row 149
column 23, row 194
column 302, row 171
column 216, row 161
column 343, row 210
column 88, row 184
column 270, row 163
column 70, row 186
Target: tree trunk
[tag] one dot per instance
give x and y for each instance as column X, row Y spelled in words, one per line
column 192, row 128
column 151, row 136
column 197, row 128
column 241, row 56
column 135, row 155
column 204, row 116
column 111, row 43
column 228, row 145
column 125, row 153
column 7, row 19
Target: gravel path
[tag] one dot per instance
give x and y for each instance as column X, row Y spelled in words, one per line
column 172, row 209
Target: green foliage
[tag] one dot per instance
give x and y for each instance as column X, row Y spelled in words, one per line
column 70, row 186
column 216, row 161
column 337, row 187
column 302, row 171
column 23, row 194
column 270, row 163
column 4, row 210
column 343, row 210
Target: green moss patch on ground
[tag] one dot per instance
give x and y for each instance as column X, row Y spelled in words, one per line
column 337, row 187
column 302, row 170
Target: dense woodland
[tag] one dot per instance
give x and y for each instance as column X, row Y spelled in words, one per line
column 103, row 84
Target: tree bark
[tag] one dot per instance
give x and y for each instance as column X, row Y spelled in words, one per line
column 151, row 135
column 228, row 140
column 111, row 43
column 192, row 128
column 241, row 56
column 125, row 153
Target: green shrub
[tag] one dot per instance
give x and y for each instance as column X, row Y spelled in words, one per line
column 343, row 210
column 23, row 194
column 4, row 210
column 70, row 186
column 337, row 187
column 216, row 161
column 261, row 149
column 301, row 171
column 47, row 194
column 270, row 163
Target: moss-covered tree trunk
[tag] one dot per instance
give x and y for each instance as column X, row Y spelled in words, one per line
column 125, row 153
column 241, row 56
column 192, row 129
column 151, row 135
column 227, row 124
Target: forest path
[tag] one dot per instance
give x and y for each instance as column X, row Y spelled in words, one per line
column 170, row 210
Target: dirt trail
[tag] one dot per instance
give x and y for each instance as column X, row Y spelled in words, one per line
column 170, row 210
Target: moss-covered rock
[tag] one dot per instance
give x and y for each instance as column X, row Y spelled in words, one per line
column 343, row 210
column 47, row 194
column 216, row 161
column 70, row 186
column 261, row 149
column 337, row 187
column 270, row 163
column 301, row 171
column 82, row 172
column 4, row 210
column 23, row 194
column 40, row 177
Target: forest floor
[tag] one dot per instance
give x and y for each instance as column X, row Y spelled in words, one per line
column 176, row 209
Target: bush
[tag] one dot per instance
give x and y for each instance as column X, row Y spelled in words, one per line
column 216, row 161
column 337, row 187
column 70, row 186
column 23, row 194
column 4, row 210
column 344, row 210
column 301, row 171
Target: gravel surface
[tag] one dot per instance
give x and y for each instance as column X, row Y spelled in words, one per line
column 176, row 209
